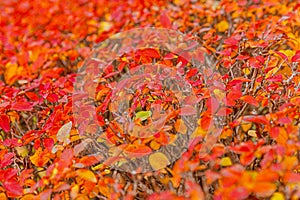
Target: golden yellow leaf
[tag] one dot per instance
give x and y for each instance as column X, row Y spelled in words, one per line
column 246, row 126
column 104, row 26
column 247, row 71
column 226, row 162
column 158, row 160
column 154, row 145
column 222, row 26
column 180, row 126
column 86, row 175
column 277, row 196
column 288, row 53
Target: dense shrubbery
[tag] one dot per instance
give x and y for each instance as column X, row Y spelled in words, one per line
column 254, row 45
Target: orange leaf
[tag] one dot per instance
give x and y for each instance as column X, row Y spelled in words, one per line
column 180, row 126
column 40, row 157
column 264, row 189
column 11, row 73
column 135, row 150
column 282, row 137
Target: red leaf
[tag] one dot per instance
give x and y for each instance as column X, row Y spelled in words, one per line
column 234, row 95
column 238, row 80
column 149, row 52
column 276, row 78
column 242, row 57
column 231, row 41
column 32, row 96
column 250, row 100
column 22, row 106
column 284, row 120
column 6, row 160
column 4, row 123
column 261, row 59
column 53, row 98
column 282, row 55
column 256, row 119
column 253, row 62
column 48, row 143
column 13, row 188
column 164, row 20
column 274, row 132
column 12, row 142
column 296, row 57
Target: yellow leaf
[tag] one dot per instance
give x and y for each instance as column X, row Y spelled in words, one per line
column 86, row 175
column 180, row 126
column 199, row 132
column 63, row 134
column 104, row 26
column 277, row 196
column 158, row 160
column 252, row 133
column 22, row 151
column 222, row 26
column 246, row 126
column 288, row 53
column 247, row 71
column 74, row 191
column 220, row 95
column 226, row 162
column 272, row 72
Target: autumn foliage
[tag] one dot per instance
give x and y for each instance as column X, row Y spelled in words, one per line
column 253, row 48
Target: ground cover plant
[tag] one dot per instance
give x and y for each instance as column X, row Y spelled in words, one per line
column 252, row 48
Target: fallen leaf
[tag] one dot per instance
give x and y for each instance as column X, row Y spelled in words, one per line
column 158, row 160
